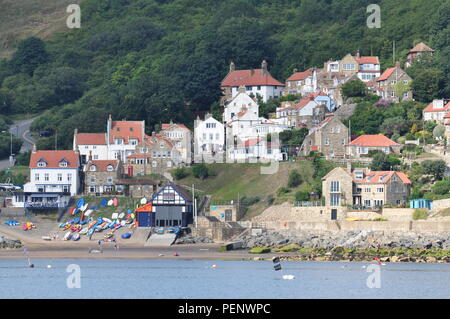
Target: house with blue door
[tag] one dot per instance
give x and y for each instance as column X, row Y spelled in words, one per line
column 172, row 206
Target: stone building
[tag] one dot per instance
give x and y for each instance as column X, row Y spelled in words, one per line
column 391, row 81
column 155, row 155
column 101, row 176
column 140, row 187
column 329, row 137
column 365, row 188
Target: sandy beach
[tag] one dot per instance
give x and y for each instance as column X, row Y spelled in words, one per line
column 127, row 251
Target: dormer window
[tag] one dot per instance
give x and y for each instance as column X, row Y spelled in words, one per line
column 63, row 163
column 109, row 168
column 93, row 168
column 41, row 163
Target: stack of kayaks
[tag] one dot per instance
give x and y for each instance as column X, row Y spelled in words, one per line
column 12, row 223
column 87, row 225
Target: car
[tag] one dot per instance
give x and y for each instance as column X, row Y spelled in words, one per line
column 9, row 187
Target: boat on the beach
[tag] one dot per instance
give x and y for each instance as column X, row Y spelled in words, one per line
column 68, row 235
column 75, row 237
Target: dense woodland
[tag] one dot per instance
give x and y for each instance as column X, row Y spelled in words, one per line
column 164, row 59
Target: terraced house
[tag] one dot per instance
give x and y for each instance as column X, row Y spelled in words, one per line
column 154, row 155
column 365, row 188
column 101, row 176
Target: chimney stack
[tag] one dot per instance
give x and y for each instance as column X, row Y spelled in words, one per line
column 232, row 67
column 90, row 156
column 264, row 67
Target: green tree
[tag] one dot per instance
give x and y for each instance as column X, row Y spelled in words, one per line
column 294, row 179
column 436, row 168
column 29, row 55
column 354, row 88
column 200, row 171
column 428, row 85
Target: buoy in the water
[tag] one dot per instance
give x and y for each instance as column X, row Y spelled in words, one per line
column 31, row 265
column 288, row 277
column 214, row 266
column 49, row 266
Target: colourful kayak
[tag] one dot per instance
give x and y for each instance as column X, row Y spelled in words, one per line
column 80, row 203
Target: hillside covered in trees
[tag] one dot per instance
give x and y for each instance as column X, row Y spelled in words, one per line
column 164, row 59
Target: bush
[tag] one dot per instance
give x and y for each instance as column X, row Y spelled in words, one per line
column 259, row 250
column 200, row 171
column 180, row 173
column 301, row 196
column 436, row 168
column 441, row 187
column 294, row 179
column 420, row 213
column 282, row 191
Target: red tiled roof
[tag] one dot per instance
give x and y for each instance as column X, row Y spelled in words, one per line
column 300, row 75
column 126, row 130
column 157, row 138
column 381, row 177
column 373, row 141
column 250, row 77
column 421, row 47
column 90, row 139
column 251, row 142
column 53, row 158
column 386, row 74
column 102, row 165
column 314, row 148
column 368, row 60
column 430, row 108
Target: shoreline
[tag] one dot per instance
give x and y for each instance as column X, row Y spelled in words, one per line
column 213, row 252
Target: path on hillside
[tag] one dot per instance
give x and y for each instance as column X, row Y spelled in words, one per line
column 20, row 129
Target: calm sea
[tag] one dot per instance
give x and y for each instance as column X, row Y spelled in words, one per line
column 119, row 278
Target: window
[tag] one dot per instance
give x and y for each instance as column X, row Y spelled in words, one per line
column 133, row 141
column 119, row 141
column 59, row 177
column 109, row 180
column 210, row 125
column 63, row 163
column 92, row 179
column 96, row 157
column 380, row 190
column 36, row 177
column 110, row 168
column 46, row 177
column 335, row 186
column 367, row 190
column 327, row 141
column 41, row 164
column 94, row 147
column 154, row 164
column 335, row 200
column 93, row 168
column 69, row 177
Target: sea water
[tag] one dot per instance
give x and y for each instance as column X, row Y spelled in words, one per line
column 121, row 278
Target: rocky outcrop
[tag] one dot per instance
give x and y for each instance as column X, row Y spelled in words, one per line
column 188, row 239
column 7, row 243
column 350, row 240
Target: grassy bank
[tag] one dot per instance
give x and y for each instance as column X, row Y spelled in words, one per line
column 234, row 181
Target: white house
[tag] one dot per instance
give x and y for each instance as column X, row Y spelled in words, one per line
column 209, row 138
column 119, row 141
column 303, row 83
column 436, row 110
column 255, row 149
column 54, row 178
column 90, row 144
column 256, row 82
column 368, row 67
